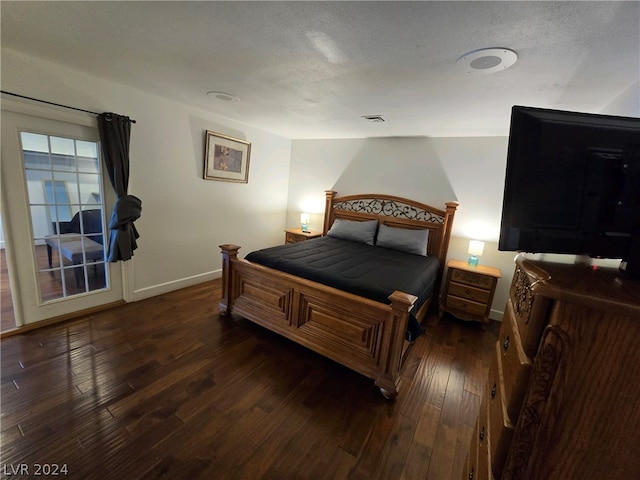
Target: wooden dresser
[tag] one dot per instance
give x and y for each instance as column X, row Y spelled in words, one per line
column 468, row 290
column 562, row 401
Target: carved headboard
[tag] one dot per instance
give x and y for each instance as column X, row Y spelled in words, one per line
column 397, row 212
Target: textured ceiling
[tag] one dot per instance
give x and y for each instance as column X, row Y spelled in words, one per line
column 312, row 69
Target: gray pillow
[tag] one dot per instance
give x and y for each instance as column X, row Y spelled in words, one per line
column 403, row 239
column 363, row 232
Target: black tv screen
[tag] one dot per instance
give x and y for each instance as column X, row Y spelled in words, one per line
column 572, row 184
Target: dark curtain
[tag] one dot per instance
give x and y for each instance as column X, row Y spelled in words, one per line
column 115, row 132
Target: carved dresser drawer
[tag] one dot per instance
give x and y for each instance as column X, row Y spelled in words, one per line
column 471, row 293
column 471, row 463
column 465, row 305
column 500, row 424
column 561, row 400
column 516, row 365
column 530, row 310
column 484, row 463
column 478, row 464
column 471, row 278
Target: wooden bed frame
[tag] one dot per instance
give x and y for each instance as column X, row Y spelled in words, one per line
column 361, row 334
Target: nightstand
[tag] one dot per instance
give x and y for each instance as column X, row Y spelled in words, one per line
column 468, row 291
column 293, row 235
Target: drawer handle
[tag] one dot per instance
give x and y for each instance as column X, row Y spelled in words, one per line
column 505, row 345
column 471, row 474
column 482, row 434
column 494, row 391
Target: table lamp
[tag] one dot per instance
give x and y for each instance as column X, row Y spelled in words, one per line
column 476, row 248
column 304, row 221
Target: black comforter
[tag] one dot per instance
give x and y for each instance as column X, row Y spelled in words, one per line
column 368, row 271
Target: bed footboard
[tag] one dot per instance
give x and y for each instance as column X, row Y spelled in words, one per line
column 361, row 334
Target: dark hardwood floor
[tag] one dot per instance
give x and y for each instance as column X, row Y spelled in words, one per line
column 164, row 388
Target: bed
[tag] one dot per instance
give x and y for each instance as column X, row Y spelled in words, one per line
column 327, row 294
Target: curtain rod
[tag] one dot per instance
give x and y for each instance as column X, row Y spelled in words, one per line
column 56, row 104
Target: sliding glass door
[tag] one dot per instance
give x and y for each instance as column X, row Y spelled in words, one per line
column 56, row 204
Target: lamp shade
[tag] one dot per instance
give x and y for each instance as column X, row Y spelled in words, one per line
column 476, row 247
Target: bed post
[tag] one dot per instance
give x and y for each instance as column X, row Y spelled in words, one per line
column 229, row 253
column 446, row 234
column 389, row 381
column 328, row 210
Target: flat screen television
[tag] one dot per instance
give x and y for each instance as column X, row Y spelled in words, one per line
column 572, row 185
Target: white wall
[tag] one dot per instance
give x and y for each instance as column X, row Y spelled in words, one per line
column 432, row 170
column 184, row 218
column 627, row 104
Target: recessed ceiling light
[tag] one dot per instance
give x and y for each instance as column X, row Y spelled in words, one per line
column 227, row 97
column 487, row 60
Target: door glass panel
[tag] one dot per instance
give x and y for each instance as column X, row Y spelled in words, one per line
column 87, row 157
column 64, row 189
column 62, row 154
column 38, row 156
column 57, row 198
column 89, row 189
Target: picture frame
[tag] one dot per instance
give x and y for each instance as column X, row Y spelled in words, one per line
column 226, row 158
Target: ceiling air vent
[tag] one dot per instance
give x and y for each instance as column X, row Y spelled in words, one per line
column 373, row 118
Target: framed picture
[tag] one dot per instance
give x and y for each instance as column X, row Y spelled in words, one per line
column 226, row 158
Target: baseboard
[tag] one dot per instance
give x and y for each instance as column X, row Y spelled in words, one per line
column 167, row 287
column 496, row 314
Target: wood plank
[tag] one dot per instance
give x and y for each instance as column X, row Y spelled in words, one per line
column 469, row 408
column 443, row 457
column 395, row 455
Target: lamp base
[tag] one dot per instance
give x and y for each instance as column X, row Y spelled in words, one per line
column 473, row 261
column 305, row 228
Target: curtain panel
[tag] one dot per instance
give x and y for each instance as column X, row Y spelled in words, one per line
column 115, row 134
